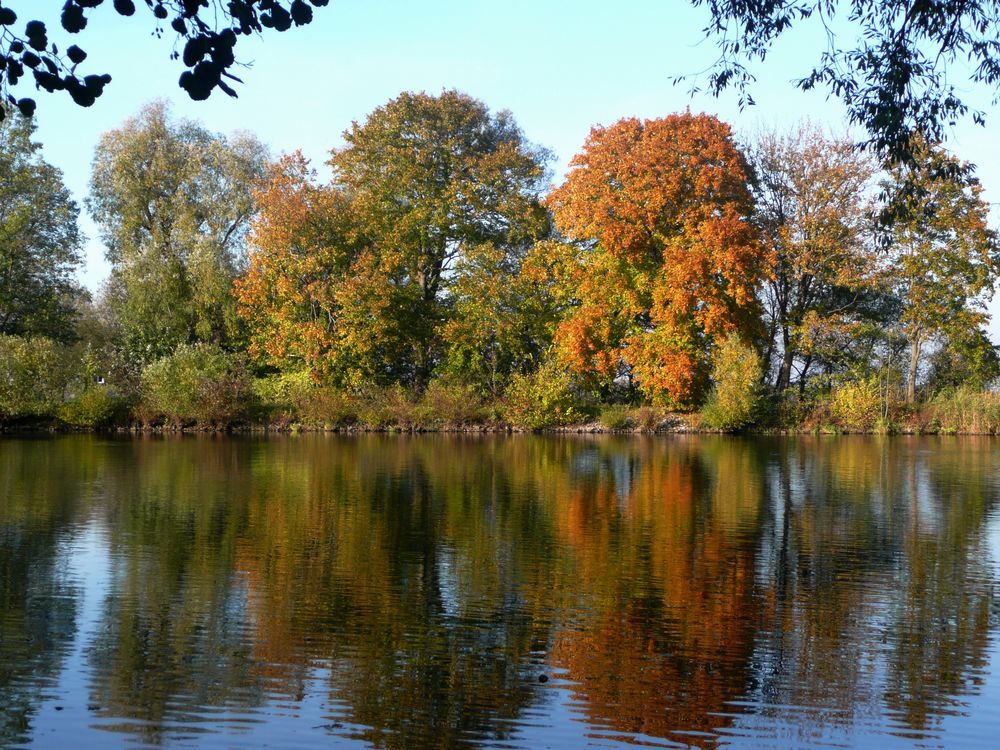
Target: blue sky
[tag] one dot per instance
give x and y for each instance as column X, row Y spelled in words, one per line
column 559, row 66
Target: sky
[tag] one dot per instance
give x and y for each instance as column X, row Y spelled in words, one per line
column 559, row 66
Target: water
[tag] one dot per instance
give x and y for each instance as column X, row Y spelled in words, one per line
column 409, row 592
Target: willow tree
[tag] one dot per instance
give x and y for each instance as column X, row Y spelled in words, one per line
column 173, row 201
column 671, row 258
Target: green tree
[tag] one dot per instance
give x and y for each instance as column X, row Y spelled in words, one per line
column 39, row 239
column 945, row 255
column 893, row 72
column 205, row 33
column 502, row 317
column 174, row 202
column 429, row 178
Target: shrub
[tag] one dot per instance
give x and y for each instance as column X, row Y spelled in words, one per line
column 735, row 397
column 615, row 417
column 544, row 398
column 34, row 376
column 966, row 410
column 95, row 407
column 859, row 406
column 453, row 403
column 197, row 383
column 647, row 418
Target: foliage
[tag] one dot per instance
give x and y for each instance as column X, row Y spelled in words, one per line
column 893, row 81
column 966, row 358
column 859, row 406
column 945, row 255
column 826, row 284
column 94, row 407
column 502, row 316
column 173, row 202
column 198, row 383
column 206, row 33
column 615, row 417
column 671, row 260
column 34, row 375
column 454, row 403
column 965, row 410
column 735, row 398
column 354, row 280
column 547, row 397
column 39, row 240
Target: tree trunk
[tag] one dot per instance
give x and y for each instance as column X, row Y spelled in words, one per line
column 911, row 380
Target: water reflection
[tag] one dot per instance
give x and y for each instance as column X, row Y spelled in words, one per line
column 452, row 592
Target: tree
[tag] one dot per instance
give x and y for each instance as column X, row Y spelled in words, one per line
column 503, row 315
column 174, row 202
column 814, row 209
column 670, row 260
column 39, row 239
column 894, row 79
column 357, row 277
column 430, row 177
column 946, row 256
column 206, row 32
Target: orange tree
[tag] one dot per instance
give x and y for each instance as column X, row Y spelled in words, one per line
column 670, row 258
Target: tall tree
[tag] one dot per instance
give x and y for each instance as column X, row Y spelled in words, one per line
column 358, row 276
column 946, row 258
column 39, row 239
column 430, row 177
column 892, row 73
column 814, row 208
column 206, row 33
column 174, row 202
column 672, row 260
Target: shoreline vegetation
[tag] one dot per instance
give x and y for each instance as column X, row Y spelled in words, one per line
column 681, row 278
column 959, row 412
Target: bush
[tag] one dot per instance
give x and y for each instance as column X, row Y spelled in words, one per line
column 735, row 398
column 859, row 406
column 95, row 407
column 34, row 376
column 647, row 418
column 453, row 403
column 615, row 417
column 966, row 410
column 197, row 383
column 547, row 397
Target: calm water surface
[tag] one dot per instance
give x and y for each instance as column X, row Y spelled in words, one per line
column 524, row 592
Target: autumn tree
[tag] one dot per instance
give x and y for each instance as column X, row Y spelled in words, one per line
column 205, row 37
column 39, row 239
column 887, row 60
column 814, row 207
column 173, row 202
column 945, row 255
column 671, row 259
column 360, row 275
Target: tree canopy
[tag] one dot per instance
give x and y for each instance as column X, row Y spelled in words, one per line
column 896, row 64
column 173, row 201
column 206, row 33
column 356, row 279
column 670, row 259
column 39, row 239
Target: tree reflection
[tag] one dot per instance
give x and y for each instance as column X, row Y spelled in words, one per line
column 417, row 587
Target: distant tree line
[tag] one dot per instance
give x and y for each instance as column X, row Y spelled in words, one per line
column 784, row 279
